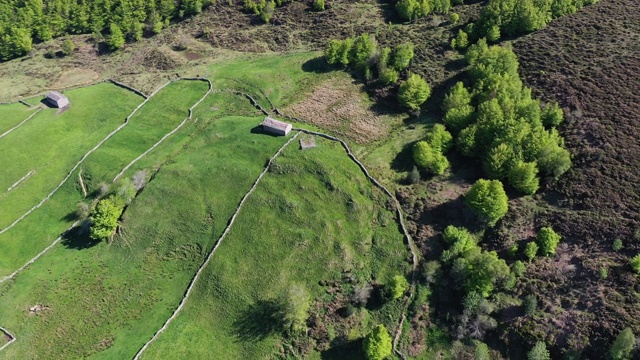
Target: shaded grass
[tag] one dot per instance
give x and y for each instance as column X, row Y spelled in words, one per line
column 105, row 301
column 12, row 114
column 51, row 144
column 313, row 216
column 161, row 114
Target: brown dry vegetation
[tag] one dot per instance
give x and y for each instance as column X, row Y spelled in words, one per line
column 590, row 63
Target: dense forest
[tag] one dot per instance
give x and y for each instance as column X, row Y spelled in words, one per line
column 24, row 21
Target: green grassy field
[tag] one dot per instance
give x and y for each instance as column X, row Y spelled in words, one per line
column 313, row 216
column 12, row 115
column 51, row 144
column 160, row 115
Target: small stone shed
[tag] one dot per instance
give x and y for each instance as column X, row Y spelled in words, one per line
column 56, row 99
column 274, row 126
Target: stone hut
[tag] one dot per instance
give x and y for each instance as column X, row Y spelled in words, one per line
column 276, row 127
column 56, row 99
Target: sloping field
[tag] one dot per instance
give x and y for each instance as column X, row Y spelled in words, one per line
column 589, row 62
column 12, row 115
column 104, row 299
column 313, row 217
column 157, row 117
column 50, row 144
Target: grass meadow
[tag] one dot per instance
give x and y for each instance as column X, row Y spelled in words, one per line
column 104, row 300
column 12, row 115
column 160, row 115
column 313, row 216
column 50, row 144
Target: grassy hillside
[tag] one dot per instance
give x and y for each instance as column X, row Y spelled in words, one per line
column 12, row 115
column 50, row 144
column 160, row 115
column 101, row 296
column 314, row 217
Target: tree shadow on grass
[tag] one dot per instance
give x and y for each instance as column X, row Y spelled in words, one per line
column 317, row 65
column 259, row 321
column 351, row 351
column 78, row 238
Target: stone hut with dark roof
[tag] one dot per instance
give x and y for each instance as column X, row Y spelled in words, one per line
column 276, row 127
column 57, row 100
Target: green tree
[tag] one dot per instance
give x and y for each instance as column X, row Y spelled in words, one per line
column 104, row 218
column 488, row 199
column 523, row 177
column 457, row 97
column 116, row 37
column 454, row 18
column 439, row 138
column 398, row 286
column 480, row 270
column 267, row 11
column 547, row 240
column 68, row 47
column 635, row 263
column 498, row 161
column 552, row 115
column 466, row 141
column 389, row 76
column 402, row 56
column 414, row 92
column 364, row 46
column 518, row 268
column 623, row 346
column 461, row 40
column 539, row 352
column 430, row 159
column 318, row 5
column 345, row 51
column 482, row 352
column 333, row 51
column 617, row 245
column 377, row 345
column 530, row 250
column 530, row 304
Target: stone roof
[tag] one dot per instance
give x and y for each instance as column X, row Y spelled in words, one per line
column 275, row 124
column 54, row 95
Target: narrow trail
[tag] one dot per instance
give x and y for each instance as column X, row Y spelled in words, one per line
column 15, row 184
column 20, row 124
column 192, row 283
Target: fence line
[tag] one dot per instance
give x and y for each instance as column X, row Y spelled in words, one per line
column 21, row 123
column 172, row 131
column 126, row 121
column 21, row 180
column 13, row 338
column 210, row 255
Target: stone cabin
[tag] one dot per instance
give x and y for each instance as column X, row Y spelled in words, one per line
column 276, row 127
column 56, row 99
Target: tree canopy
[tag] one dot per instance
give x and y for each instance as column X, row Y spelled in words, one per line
column 488, row 199
column 414, row 92
column 377, row 345
column 104, row 218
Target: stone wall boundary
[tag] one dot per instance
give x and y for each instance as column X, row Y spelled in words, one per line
column 193, row 281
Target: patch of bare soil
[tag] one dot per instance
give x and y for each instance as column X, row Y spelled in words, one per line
column 338, row 106
column 589, row 62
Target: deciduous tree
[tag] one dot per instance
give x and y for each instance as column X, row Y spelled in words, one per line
column 377, row 345
column 488, row 199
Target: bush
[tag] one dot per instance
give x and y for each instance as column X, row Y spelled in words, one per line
column 461, row 40
column 402, row 56
column 482, row 352
column 104, row 218
column 552, row 115
column 389, row 76
column 362, row 50
column 524, row 177
column 414, row 92
column 377, row 345
column 617, row 245
column 398, row 286
column 318, row 5
column 428, row 158
column 623, row 346
column 414, row 175
column 547, row 240
column 295, row 306
column 68, row 47
column 488, row 199
column 518, row 268
column 539, row 352
column 267, row 11
column 530, row 305
column 454, row 18
column 116, row 37
column 635, row 263
column 530, row 250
